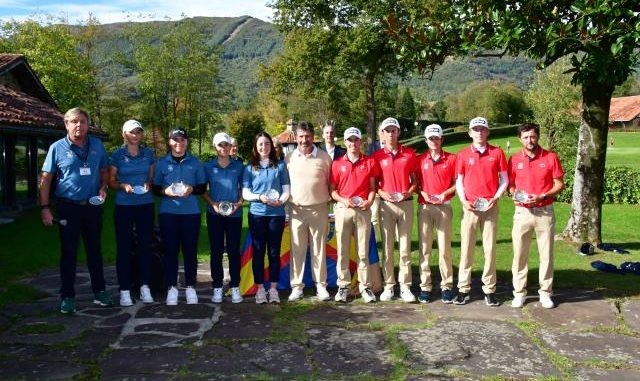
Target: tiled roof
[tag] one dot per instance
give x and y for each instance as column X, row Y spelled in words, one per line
column 288, row 137
column 7, row 60
column 19, row 109
column 624, row 109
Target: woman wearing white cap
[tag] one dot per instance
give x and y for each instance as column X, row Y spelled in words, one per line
column 224, row 215
column 131, row 173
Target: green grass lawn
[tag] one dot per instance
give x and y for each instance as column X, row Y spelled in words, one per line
column 625, row 151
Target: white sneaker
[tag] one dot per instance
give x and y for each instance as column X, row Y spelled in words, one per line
column 546, row 302
column 342, row 295
column 261, row 296
column 172, row 296
column 125, row 298
column 322, row 293
column 386, row 295
column 145, row 294
column 517, row 302
column 235, row 295
column 296, row 294
column 407, row 296
column 368, row 296
column 273, row 296
column 217, row 295
column 192, row 296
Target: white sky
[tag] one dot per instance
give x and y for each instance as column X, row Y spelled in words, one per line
column 132, row 10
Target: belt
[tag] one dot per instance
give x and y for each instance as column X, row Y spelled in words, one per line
column 535, row 206
column 397, row 202
column 73, row 202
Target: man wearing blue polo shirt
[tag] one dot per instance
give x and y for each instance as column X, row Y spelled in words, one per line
column 79, row 164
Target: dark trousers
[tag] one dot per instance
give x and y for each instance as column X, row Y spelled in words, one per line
column 127, row 219
column 224, row 232
column 85, row 221
column 266, row 235
column 180, row 231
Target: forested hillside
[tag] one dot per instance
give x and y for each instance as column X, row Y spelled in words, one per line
column 246, row 42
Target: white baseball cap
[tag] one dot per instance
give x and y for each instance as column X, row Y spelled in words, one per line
column 352, row 131
column 479, row 121
column 221, row 137
column 131, row 125
column 389, row 122
column 433, row 130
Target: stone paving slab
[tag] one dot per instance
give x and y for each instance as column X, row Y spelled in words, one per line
column 34, row 369
column 329, row 341
column 476, row 309
column 586, row 346
column 591, row 374
column 631, row 313
column 576, row 310
column 245, row 320
column 280, row 360
column 220, row 360
column 147, row 362
column 338, row 351
column 477, row 347
column 70, row 328
column 179, row 312
column 358, row 313
column 157, row 325
column 439, row 378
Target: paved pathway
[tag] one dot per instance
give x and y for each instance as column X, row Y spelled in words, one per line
column 584, row 338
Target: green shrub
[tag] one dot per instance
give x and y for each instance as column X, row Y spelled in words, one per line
column 621, row 186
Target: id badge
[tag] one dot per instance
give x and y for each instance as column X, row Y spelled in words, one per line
column 85, row 171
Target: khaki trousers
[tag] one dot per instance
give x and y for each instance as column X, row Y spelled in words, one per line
column 375, row 216
column 309, row 226
column 436, row 217
column 526, row 221
column 488, row 224
column 353, row 222
column 396, row 216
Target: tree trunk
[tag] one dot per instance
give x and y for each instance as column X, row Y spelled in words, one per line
column 370, row 90
column 585, row 219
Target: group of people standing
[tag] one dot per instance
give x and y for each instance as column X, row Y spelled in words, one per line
column 380, row 186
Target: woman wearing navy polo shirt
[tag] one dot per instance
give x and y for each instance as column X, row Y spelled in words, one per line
column 266, row 185
column 178, row 178
column 224, row 215
column 131, row 173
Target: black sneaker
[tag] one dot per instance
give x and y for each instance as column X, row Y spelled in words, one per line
column 424, row 297
column 491, row 300
column 447, row 296
column 461, row 298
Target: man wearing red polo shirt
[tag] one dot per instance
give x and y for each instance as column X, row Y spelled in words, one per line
column 437, row 185
column 535, row 177
column 397, row 184
column 481, row 180
column 353, row 186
